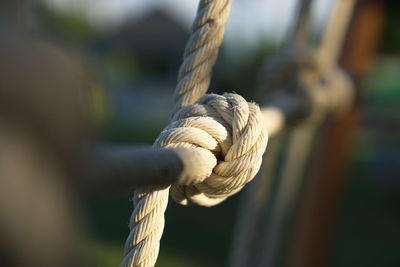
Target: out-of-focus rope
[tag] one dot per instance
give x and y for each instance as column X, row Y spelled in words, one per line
column 312, row 74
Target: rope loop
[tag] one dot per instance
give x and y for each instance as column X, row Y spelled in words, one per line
column 297, row 71
column 229, row 134
column 224, row 137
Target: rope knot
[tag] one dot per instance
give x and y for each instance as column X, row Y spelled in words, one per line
column 229, row 139
column 299, row 72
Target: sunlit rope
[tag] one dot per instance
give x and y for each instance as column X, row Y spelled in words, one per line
column 225, row 134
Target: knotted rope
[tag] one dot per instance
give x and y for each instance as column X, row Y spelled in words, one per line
column 300, row 71
column 311, row 74
column 224, row 134
column 232, row 130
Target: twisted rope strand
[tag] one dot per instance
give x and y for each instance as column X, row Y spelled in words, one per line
column 147, row 225
column 147, row 220
column 224, row 135
column 201, row 51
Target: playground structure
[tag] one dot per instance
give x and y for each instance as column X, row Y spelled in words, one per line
column 231, row 129
column 316, row 88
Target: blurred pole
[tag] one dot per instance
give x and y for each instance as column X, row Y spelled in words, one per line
column 42, row 124
column 313, row 233
column 107, row 169
column 38, row 223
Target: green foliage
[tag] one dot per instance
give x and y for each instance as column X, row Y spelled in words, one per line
column 391, row 33
column 120, row 63
column 67, row 26
column 383, row 84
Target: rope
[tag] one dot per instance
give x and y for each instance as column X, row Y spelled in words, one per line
column 331, row 91
column 333, row 37
column 232, row 129
column 301, row 29
column 224, row 134
column 201, row 51
column 314, row 73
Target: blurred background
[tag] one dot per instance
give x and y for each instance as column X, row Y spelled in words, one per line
column 123, row 56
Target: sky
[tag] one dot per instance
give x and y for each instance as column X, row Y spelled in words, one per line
column 250, row 22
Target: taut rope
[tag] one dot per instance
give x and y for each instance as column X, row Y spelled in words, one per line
column 224, row 134
column 201, row 51
column 312, row 72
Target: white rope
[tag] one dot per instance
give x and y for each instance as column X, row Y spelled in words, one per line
column 331, row 90
column 225, row 135
column 288, row 186
column 273, row 119
column 315, row 72
column 201, row 51
column 224, row 129
column 229, row 127
column 333, row 36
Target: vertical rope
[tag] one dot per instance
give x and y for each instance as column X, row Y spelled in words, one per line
column 300, row 140
column 301, row 29
column 335, row 32
column 147, row 221
column 201, row 51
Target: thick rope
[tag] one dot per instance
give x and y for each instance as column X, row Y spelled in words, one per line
column 201, row 51
column 233, row 131
column 314, row 72
column 224, row 134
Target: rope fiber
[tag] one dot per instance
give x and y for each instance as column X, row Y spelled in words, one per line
column 224, row 134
